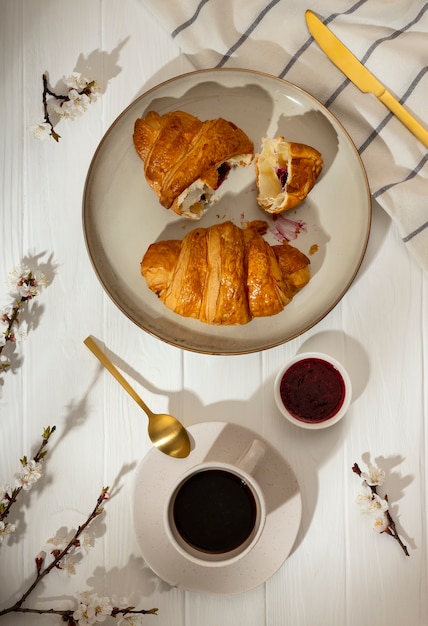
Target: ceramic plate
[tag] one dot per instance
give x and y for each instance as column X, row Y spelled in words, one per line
column 225, row 442
column 122, row 215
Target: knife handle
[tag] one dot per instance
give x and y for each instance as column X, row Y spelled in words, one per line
column 405, row 117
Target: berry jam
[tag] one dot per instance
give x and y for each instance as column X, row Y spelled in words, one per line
column 312, row 390
column 282, row 175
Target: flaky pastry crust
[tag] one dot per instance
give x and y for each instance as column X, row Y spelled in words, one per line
column 224, row 274
column 186, row 160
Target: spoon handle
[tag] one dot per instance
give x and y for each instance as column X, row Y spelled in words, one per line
column 103, row 358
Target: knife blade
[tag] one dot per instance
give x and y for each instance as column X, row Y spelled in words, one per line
column 358, row 74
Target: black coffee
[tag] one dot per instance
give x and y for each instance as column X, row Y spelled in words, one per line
column 214, row 511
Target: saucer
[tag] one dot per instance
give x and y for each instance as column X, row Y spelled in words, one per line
column 224, row 442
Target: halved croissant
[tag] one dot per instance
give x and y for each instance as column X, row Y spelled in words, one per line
column 224, row 274
column 285, row 173
column 186, row 160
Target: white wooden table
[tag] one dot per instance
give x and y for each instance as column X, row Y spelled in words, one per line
column 340, row 571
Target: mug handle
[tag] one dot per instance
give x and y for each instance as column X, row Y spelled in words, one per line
column 251, row 457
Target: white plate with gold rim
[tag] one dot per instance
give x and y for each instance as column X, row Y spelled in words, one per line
column 122, row 215
column 154, row 481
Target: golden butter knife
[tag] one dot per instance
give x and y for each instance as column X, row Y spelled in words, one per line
column 360, row 75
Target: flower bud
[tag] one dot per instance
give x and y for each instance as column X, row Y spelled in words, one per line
column 39, row 560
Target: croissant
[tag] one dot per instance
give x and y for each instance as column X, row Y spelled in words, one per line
column 224, row 274
column 186, row 160
column 285, row 173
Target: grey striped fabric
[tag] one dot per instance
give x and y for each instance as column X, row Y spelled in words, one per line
column 389, row 37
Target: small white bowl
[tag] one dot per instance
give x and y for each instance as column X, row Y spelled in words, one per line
column 313, row 390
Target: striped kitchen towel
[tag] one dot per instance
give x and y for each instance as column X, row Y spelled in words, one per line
column 389, row 37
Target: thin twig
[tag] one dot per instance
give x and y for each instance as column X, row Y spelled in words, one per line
column 46, row 92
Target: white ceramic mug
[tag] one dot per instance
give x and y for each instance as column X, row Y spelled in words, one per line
column 216, row 511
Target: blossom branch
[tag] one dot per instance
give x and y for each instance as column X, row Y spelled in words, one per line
column 28, row 475
column 59, row 554
column 81, row 92
column 67, row 614
column 375, row 506
column 91, row 608
column 28, row 285
column 88, row 605
column 11, row 321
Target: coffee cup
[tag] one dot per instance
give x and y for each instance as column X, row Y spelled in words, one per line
column 216, row 511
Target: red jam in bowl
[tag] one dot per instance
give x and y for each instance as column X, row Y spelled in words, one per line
column 312, row 390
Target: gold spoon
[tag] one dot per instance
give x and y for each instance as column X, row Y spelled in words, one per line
column 165, row 431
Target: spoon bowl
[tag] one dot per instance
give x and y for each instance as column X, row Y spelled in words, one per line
column 166, row 432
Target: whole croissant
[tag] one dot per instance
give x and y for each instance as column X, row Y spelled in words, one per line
column 186, row 160
column 285, row 173
column 224, row 274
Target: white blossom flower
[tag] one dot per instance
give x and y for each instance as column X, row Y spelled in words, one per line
column 67, row 110
column 77, row 104
column 18, row 274
column 81, row 101
column 378, row 505
column 6, row 529
column 31, row 287
column 103, row 608
column 6, row 313
column 30, row 473
column 374, row 477
column 364, row 498
column 94, row 92
column 5, row 494
column 75, row 81
column 27, row 283
column 92, row 609
column 27, row 290
column 371, row 503
column 380, row 524
column 84, row 615
column 41, row 130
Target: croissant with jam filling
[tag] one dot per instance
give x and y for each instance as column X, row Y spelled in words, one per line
column 285, row 173
column 186, row 160
column 224, row 274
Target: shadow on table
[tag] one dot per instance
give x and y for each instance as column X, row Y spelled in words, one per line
column 101, row 65
column 380, row 226
column 133, row 582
